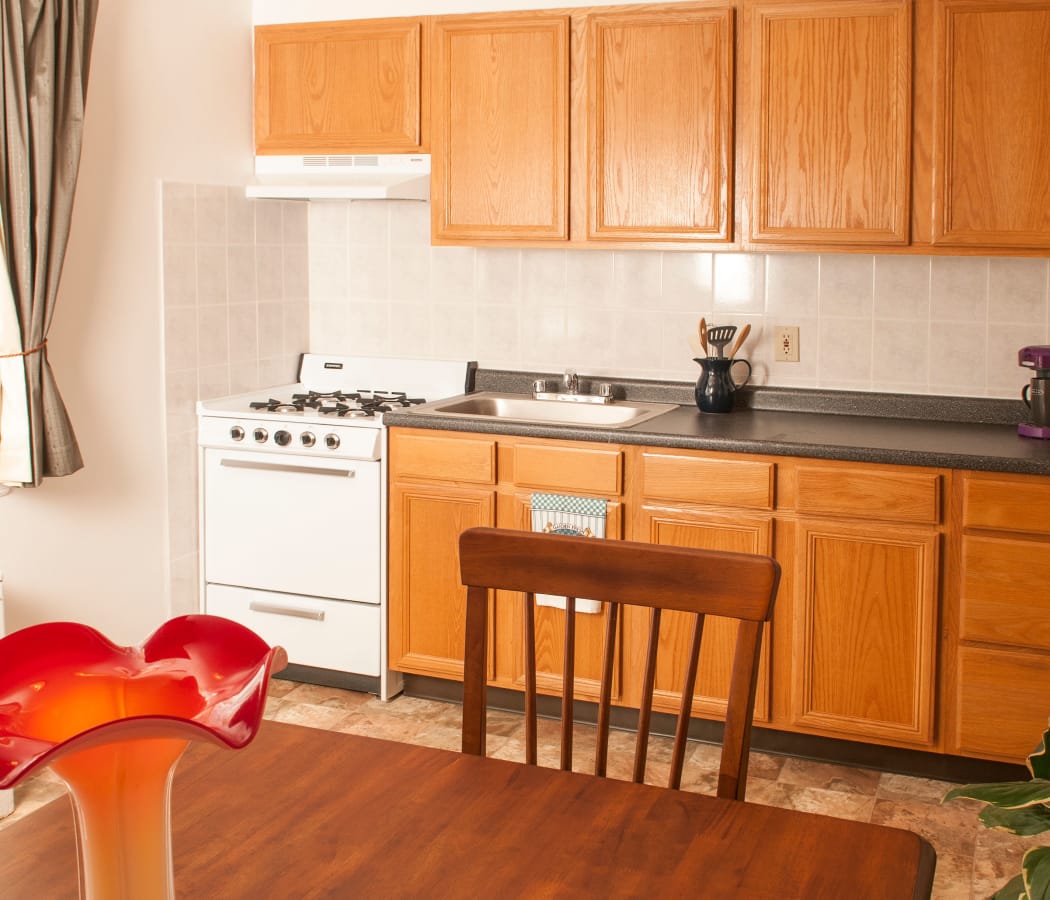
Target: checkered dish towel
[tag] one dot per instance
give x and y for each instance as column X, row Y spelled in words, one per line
column 563, row 514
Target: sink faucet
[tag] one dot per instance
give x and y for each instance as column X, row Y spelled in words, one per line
column 572, row 381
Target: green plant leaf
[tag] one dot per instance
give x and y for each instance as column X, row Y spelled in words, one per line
column 1038, row 761
column 1014, row 889
column 1035, row 867
column 1027, row 820
column 1006, row 794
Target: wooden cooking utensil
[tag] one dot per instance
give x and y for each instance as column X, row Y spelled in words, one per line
column 702, row 331
column 740, row 338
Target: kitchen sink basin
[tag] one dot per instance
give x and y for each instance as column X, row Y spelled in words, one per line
column 523, row 408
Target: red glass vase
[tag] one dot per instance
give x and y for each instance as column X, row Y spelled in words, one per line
column 112, row 722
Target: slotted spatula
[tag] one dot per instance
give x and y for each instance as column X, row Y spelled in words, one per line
column 720, row 335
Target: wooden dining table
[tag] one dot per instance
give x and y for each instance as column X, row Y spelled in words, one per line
column 306, row 813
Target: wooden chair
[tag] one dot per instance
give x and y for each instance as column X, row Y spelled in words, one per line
column 702, row 582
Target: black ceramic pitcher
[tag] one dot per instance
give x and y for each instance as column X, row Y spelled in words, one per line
column 715, row 386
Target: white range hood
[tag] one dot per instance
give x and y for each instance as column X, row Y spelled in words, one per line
column 372, row 177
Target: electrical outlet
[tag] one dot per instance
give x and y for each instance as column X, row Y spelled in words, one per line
column 785, row 343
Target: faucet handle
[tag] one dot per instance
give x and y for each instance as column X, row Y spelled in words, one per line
column 572, row 381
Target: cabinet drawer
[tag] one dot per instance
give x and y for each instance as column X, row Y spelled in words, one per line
column 1004, row 595
column 443, row 459
column 1001, row 702
column 896, row 496
column 715, row 482
column 1007, row 505
column 569, row 468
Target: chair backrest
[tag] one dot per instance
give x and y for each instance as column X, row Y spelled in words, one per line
column 702, row 582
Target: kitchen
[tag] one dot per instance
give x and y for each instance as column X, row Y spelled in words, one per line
column 172, row 146
column 168, row 142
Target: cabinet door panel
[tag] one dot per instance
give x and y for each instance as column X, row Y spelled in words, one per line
column 427, row 600
column 711, row 532
column 1004, row 592
column 501, row 128
column 865, row 631
column 337, row 87
column 1001, row 702
column 660, row 124
column 832, row 121
column 992, row 125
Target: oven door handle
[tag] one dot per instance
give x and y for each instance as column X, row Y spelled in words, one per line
column 284, row 467
column 277, row 609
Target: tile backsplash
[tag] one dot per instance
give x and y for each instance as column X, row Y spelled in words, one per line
column 908, row 324
column 236, row 313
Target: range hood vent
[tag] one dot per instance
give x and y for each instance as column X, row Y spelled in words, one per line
column 366, row 177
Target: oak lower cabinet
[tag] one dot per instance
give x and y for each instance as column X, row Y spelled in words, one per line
column 439, row 487
column 442, row 483
column 341, row 87
column 712, row 503
column 999, row 616
column 866, row 599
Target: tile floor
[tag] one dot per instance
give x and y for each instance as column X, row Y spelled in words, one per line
column 972, row 862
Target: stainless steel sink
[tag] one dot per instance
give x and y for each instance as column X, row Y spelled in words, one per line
column 523, row 408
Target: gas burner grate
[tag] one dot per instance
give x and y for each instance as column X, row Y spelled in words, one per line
column 273, row 405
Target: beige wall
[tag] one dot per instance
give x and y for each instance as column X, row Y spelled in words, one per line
column 169, row 100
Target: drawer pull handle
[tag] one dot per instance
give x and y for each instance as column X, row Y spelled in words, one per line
column 261, row 606
column 281, row 467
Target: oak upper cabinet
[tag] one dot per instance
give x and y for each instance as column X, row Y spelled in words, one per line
column 341, row 87
column 829, row 122
column 501, row 128
column 710, row 502
column 440, row 485
column 991, row 122
column 660, row 124
column 998, row 611
column 866, row 600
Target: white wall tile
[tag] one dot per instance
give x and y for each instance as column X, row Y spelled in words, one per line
column 212, row 336
column 543, row 276
column 902, row 287
column 452, row 327
column 241, row 274
column 847, row 285
column 269, row 223
column 410, row 333
column 845, row 353
column 328, row 222
column 589, row 278
column 959, row 289
column 180, row 275
column 211, row 273
column 1018, row 292
column 792, row 284
column 240, row 216
column 637, row 279
column 180, row 338
column 409, row 273
column 900, row 354
column 498, row 276
column 244, row 332
column 370, row 328
column 958, row 358
column 739, row 284
column 329, row 273
column 369, row 223
column 178, row 216
column 409, row 222
column 688, row 281
column 211, row 215
column 452, row 274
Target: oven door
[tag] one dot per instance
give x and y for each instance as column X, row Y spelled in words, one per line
column 293, row 524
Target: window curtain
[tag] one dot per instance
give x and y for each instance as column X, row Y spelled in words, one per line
column 44, row 74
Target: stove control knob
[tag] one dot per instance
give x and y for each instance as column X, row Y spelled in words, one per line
column 331, row 441
column 237, row 433
column 260, row 435
column 307, row 439
column 282, row 438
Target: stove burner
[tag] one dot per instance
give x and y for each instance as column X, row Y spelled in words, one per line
column 272, row 405
column 344, row 404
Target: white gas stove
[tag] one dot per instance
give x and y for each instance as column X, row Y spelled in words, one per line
column 293, row 510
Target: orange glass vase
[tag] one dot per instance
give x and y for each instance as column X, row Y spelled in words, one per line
column 112, row 722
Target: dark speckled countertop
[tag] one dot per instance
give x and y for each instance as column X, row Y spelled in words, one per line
column 915, row 430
